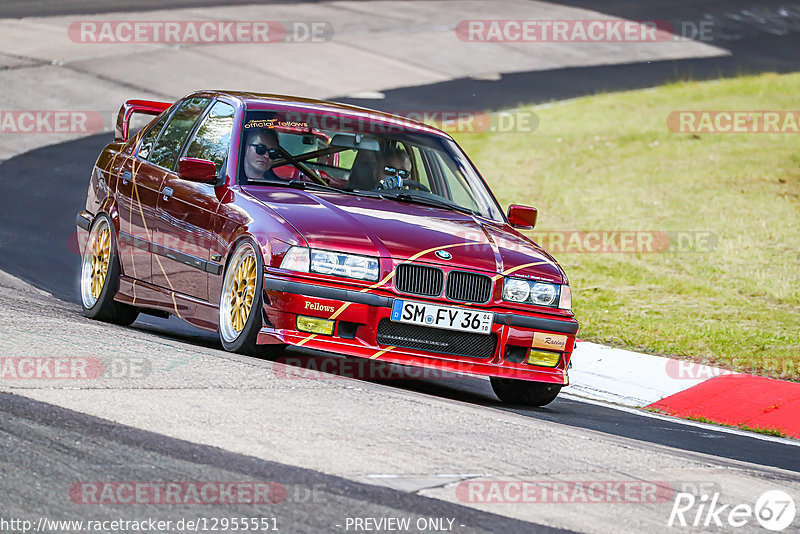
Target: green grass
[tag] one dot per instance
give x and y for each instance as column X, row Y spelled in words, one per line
column 700, row 419
column 757, row 429
column 609, row 162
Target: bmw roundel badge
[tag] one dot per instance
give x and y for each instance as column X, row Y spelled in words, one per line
column 443, row 254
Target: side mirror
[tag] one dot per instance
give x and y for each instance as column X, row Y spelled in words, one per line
column 523, row 217
column 197, row 170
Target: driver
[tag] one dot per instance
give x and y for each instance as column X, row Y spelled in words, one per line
column 393, row 167
column 260, row 152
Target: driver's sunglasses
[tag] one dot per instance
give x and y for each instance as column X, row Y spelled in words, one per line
column 262, row 149
column 391, row 171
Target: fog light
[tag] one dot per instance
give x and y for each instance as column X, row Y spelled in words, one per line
column 544, row 358
column 315, row 325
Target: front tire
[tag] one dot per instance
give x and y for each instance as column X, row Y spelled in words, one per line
column 241, row 301
column 524, row 392
column 100, row 273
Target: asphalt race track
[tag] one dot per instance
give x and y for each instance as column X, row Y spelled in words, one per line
column 754, row 44
column 100, row 450
column 44, row 8
column 757, row 43
column 44, row 254
column 52, row 180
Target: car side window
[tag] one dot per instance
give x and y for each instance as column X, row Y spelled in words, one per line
column 419, row 167
column 460, row 191
column 177, row 129
column 213, row 137
column 150, row 137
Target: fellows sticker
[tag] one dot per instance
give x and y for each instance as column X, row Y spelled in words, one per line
column 316, row 306
column 549, row 341
column 275, row 123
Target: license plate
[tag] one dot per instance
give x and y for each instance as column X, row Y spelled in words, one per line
column 445, row 317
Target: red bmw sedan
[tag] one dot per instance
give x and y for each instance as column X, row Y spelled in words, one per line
column 284, row 221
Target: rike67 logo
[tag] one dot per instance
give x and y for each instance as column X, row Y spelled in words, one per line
column 774, row 510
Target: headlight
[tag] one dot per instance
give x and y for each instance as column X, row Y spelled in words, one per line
column 543, row 294
column 323, row 262
column 347, row 265
column 537, row 293
column 331, row 263
column 359, row 267
column 516, row 290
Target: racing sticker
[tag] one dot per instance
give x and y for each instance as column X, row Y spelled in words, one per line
column 316, row 306
column 549, row 341
column 273, row 123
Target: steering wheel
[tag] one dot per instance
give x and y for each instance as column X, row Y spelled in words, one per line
column 413, row 184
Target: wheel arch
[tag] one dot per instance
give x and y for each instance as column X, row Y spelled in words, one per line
column 242, row 236
column 109, row 207
column 215, row 286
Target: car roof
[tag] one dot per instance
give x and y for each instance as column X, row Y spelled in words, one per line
column 255, row 101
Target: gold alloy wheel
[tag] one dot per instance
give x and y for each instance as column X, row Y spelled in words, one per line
column 242, row 292
column 239, row 298
column 96, row 262
column 101, row 255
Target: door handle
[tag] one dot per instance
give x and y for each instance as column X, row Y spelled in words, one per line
column 125, row 177
column 167, row 191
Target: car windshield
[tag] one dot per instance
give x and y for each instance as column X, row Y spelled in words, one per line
column 317, row 151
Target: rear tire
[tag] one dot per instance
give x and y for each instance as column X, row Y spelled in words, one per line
column 100, row 273
column 523, row 392
column 241, row 301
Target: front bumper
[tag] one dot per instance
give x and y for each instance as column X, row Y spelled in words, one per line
column 358, row 315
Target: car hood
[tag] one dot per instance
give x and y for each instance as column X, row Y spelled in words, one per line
column 401, row 230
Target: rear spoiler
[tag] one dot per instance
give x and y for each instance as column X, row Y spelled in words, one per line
column 130, row 107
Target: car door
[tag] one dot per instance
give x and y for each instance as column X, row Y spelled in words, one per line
column 138, row 185
column 185, row 210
